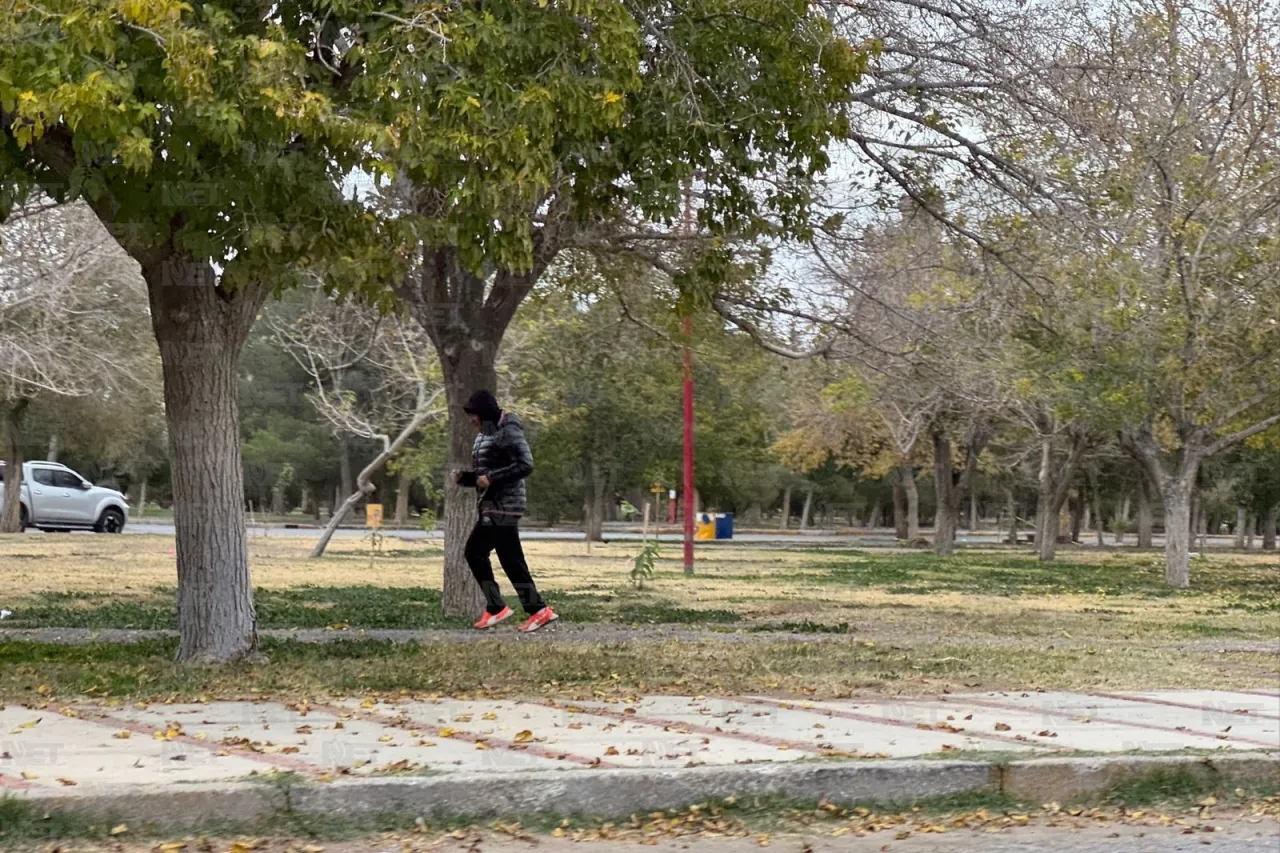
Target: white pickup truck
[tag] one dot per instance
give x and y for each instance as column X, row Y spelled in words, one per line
column 57, row 499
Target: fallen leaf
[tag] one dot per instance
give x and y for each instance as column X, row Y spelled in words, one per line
column 171, row 846
column 385, row 739
column 524, row 736
column 481, row 745
column 303, row 730
column 490, row 716
column 446, row 731
column 462, row 718
column 369, row 703
column 120, row 829
column 123, row 735
column 67, row 782
column 1003, row 727
column 28, row 775
column 763, row 839
column 613, row 750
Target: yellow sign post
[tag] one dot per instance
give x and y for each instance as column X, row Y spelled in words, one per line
column 373, row 516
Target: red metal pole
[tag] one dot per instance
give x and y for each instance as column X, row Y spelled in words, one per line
column 689, row 508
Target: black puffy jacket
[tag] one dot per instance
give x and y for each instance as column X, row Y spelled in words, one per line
column 501, row 453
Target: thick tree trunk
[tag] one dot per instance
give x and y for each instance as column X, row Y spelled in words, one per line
column 1242, row 521
column 1269, row 528
column 913, row 501
column 467, row 368
column 899, row 506
column 1086, row 523
column 402, row 499
column 52, row 455
column 944, row 487
column 1078, row 511
column 1250, row 530
column 1177, row 532
column 11, row 512
column 201, row 329
column 973, row 513
column 876, row 516
column 808, row 507
column 142, row 499
column 786, row 508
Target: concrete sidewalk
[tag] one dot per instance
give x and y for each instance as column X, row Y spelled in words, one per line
column 442, row 749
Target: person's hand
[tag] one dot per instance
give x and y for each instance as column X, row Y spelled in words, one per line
column 457, row 476
column 482, row 481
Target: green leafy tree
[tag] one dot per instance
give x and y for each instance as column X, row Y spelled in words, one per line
column 207, row 139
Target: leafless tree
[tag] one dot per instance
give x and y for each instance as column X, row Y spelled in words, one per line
column 330, row 339
column 73, row 321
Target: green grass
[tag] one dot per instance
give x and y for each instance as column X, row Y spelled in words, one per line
column 367, row 606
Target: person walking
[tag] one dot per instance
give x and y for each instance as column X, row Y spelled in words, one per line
column 500, row 461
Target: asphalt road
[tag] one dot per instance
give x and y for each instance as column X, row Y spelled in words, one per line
column 861, row 540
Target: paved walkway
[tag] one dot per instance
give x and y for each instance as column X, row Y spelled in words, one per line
column 86, row 748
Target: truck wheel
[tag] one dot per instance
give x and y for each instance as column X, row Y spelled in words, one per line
column 112, row 521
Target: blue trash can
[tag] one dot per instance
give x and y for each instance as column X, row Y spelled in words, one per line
column 724, row 525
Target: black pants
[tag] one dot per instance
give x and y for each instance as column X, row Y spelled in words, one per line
column 505, row 539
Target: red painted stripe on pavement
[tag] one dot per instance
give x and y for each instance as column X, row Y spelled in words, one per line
column 13, row 783
column 883, row 721
column 1265, row 693
column 283, row 761
column 1005, row 706
column 691, row 728
column 1245, row 712
column 467, row 737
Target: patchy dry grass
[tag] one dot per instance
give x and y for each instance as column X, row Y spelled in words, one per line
column 862, row 620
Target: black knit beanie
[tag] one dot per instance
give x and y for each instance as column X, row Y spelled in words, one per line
column 483, row 405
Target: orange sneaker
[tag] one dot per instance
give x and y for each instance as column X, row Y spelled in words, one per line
column 543, row 617
column 488, row 620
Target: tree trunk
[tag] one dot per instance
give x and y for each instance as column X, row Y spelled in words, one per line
column 973, row 513
column 1242, row 521
column 467, row 368
column 142, row 499
column 1177, row 532
column 1086, row 522
column 913, row 501
column 876, row 516
column 1053, row 494
column 899, row 506
column 1121, row 520
column 944, row 487
column 1202, row 523
column 53, row 448
column 786, row 508
column 402, row 499
column 11, row 512
column 1250, row 530
column 1013, row 516
column 1269, row 529
column 593, row 504
column 808, row 506
column 201, row 330
column 1093, row 504
column 346, row 482
column 1145, row 520
column 1078, row 511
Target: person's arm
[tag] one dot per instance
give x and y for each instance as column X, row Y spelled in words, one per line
column 521, row 465
column 466, row 479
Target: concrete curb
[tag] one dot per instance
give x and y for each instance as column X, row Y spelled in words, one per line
column 613, row 793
